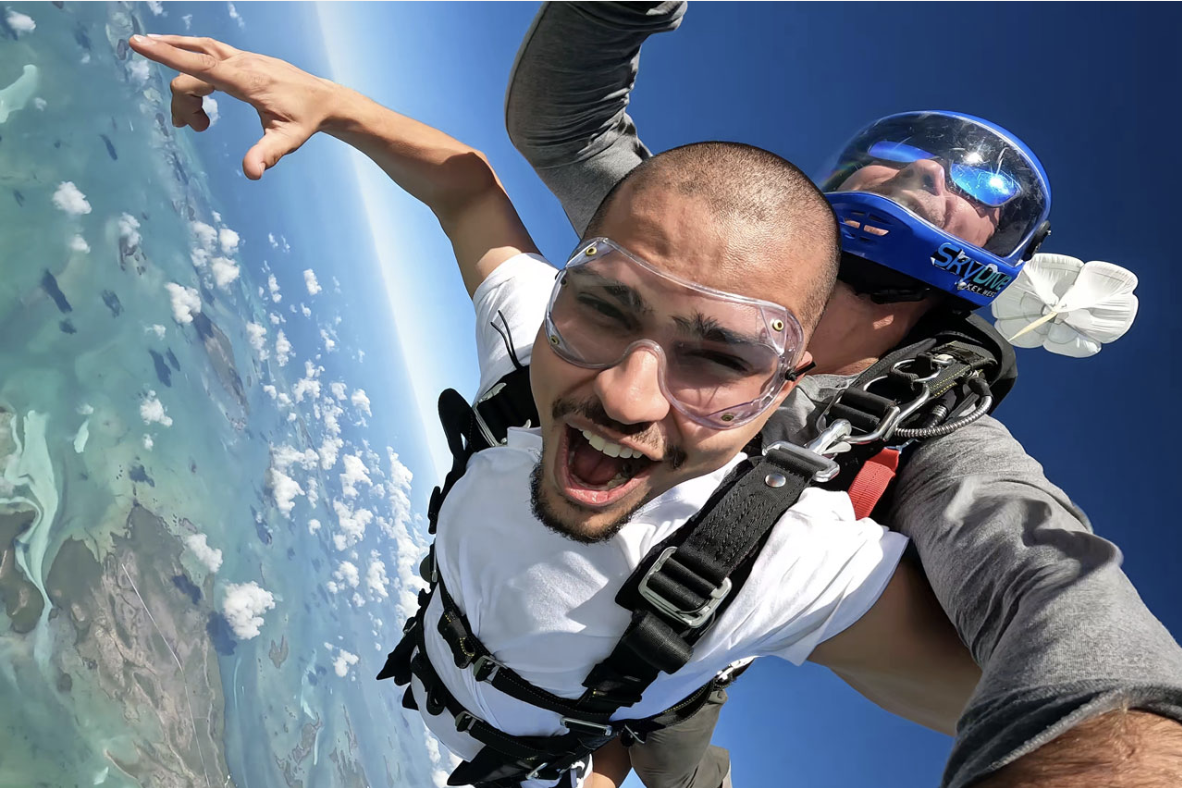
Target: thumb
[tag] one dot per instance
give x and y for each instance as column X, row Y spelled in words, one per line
column 266, row 153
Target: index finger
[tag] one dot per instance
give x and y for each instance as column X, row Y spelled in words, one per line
column 210, row 46
column 198, row 64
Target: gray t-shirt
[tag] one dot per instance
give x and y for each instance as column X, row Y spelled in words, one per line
column 1039, row 599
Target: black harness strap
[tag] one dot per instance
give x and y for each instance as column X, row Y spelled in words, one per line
column 686, row 582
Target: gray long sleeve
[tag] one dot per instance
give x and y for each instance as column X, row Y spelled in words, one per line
column 1040, row 600
column 566, row 105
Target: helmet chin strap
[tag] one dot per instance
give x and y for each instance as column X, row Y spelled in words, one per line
column 879, row 283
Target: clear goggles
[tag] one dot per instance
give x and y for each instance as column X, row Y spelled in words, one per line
column 722, row 358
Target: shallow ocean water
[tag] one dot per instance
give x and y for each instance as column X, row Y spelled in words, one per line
column 135, row 415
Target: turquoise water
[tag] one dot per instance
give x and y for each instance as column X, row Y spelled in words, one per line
column 130, row 423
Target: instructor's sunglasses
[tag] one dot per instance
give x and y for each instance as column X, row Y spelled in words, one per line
column 988, row 186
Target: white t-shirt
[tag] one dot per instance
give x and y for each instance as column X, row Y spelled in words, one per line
column 545, row 605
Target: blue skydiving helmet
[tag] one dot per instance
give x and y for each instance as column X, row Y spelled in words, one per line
column 946, row 201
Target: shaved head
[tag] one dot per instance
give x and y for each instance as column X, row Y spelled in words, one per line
column 759, row 201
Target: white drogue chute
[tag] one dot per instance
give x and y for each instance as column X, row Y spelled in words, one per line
column 1067, row 306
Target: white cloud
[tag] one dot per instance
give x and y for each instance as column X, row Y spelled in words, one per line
column 284, row 400
column 337, row 389
column 283, row 457
column 225, row 271
column 85, row 58
column 152, row 411
column 343, row 661
column 271, row 240
column 355, row 473
column 228, row 240
column 185, row 302
column 305, row 310
column 257, row 334
column 188, row 20
column 284, row 490
column 200, row 258
column 313, row 490
column 156, row 329
column 270, row 390
column 138, row 69
column 156, row 7
column 148, row 442
column 347, row 573
column 274, row 318
column 78, row 244
column 352, row 522
column 282, row 349
column 212, row 558
column 206, row 236
column 243, row 608
column 21, row 24
column 313, row 526
column 329, row 449
column 235, row 16
column 375, row 577
column 273, row 286
column 217, row 217
column 69, row 198
column 129, row 230
column 332, row 587
column 210, row 105
column 40, row 103
column 329, row 343
column 361, row 401
column 329, row 415
column 310, row 281
column 309, row 385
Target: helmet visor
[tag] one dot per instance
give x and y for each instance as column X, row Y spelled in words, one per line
column 959, row 175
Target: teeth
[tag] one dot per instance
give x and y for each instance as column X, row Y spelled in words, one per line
column 609, row 448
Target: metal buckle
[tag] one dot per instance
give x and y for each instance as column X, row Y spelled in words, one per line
column 464, row 721
column 691, row 618
column 481, row 663
column 573, row 725
column 410, row 624
column 534, row 774
column 822, row 467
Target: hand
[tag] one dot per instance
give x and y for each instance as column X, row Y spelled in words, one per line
column 292, row 104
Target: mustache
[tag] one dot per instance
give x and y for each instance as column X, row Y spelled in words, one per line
column 646, row 434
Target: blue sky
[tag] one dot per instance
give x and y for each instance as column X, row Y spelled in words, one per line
column 1090, row 87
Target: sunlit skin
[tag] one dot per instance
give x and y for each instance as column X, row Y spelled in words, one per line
column 675, row 234
column 922, row 187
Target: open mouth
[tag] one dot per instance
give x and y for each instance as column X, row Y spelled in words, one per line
column 595, row 472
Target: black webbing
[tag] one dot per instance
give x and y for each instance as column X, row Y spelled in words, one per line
column 721, row 539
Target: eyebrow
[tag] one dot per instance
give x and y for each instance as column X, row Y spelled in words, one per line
column 616, row 289
column 710, row 330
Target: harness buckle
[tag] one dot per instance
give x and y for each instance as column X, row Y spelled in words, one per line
column 534, row 774
column 577, row 726
column 692, row 618
column 410, row 625
column 823, row 468
column 464, row 721
column 480, row 667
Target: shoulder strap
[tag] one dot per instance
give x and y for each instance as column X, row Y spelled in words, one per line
column 686, row 582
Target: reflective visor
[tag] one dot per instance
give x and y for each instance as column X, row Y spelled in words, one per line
column 986, row 185
column 1008, row 196
column 723, row 358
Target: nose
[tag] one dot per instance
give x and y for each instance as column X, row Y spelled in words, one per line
column 631, row 391
column 927, row 174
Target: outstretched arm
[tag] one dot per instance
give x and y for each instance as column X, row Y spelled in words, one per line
column 454, row 180
column 565, row 108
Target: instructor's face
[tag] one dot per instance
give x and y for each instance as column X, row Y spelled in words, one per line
column 624, row 405
column 922, row 187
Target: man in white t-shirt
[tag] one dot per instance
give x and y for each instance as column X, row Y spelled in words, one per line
column 665, row 344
